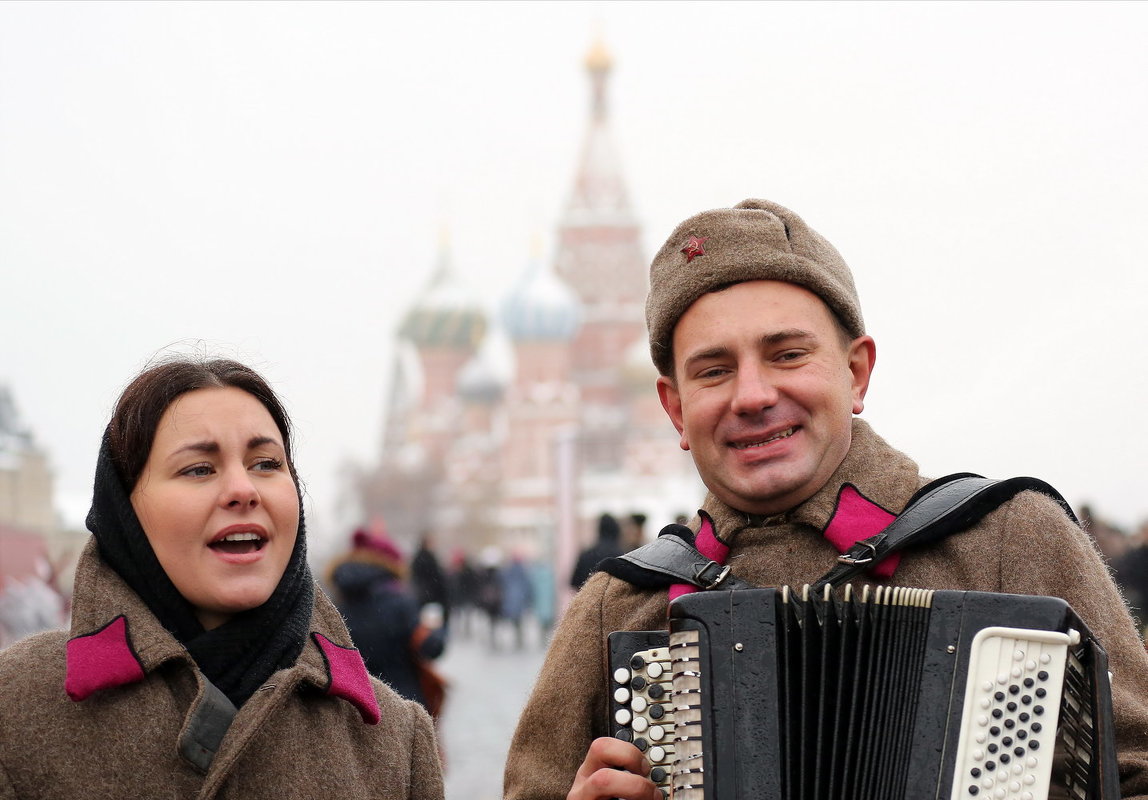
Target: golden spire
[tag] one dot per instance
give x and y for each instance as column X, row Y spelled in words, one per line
column 598, row 59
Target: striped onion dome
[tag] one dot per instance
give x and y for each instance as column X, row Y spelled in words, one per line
column 446, row 314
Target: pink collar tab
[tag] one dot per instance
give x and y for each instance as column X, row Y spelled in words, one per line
column 101, row 660
column 709, row 546
column 348, row 678
column 855, row 518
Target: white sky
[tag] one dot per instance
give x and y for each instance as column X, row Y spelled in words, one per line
column 270, row 179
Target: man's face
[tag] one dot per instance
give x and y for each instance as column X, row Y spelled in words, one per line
column 763, row 392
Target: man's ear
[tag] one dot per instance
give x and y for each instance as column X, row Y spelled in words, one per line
column 672, row 403
column 862, row 357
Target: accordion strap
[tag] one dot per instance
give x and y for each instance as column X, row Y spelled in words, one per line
column 946, row 506
column 672, row 558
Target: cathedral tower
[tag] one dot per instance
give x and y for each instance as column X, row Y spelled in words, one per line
column 599, row 255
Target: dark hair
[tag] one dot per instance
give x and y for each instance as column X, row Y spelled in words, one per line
column 608, row 528
column 131, row 431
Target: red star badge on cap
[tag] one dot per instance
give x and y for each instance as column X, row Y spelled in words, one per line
column 694, row 248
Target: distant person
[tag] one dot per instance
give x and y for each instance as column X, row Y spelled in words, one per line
column 489, row 595
column 633, row 531
column 384, row 618
column 428, row 579
column 1111, row 540
column 201, row 660
column 29, row 606
column 463, row 581
column 1131, row 573
column 545, row 605
column 608, row 545
column 517, row 597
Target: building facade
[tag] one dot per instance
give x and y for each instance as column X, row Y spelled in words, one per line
column 516, row 429
column 36, row 556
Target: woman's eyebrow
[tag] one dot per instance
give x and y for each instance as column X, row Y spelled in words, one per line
column 210, row 447
column 199, row 447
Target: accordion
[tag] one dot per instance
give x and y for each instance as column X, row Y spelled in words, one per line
column 881, row 694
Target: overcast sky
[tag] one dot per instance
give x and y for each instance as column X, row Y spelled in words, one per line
column 268, row 180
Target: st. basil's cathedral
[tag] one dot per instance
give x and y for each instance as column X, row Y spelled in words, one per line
column 526, row 457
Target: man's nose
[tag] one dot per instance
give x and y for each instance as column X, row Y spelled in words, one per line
column 754, row 390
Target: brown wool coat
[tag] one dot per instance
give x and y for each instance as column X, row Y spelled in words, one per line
column 290, row 740
column 1028, row 546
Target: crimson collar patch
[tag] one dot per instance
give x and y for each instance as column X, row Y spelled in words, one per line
column 348, row 677
column 856, row 518
column 694, row 248
column 103, row 659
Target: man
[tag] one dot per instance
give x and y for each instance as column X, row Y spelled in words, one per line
column 608, row 545
column 756, row 330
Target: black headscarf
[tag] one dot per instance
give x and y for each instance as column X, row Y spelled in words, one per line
column 239, row 655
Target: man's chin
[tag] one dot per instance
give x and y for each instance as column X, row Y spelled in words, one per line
column 774, row 495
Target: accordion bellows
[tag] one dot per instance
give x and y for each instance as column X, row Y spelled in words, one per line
column 895, row 693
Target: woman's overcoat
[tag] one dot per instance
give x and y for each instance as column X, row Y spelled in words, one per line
column 117, row 708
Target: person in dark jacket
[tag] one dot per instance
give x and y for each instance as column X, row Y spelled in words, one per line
column 608, row 545
column 382, row 617
column 428, row 579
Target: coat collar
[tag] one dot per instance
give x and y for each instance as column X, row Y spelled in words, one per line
column 115, row 640
column 873, row 482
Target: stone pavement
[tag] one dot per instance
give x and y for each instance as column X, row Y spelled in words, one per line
column 488, row 687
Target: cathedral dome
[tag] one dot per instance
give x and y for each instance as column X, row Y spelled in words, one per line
column 486, row 375
column 446, row 314
column 541, row 307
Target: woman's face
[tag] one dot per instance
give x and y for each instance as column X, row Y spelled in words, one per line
column 217, row 501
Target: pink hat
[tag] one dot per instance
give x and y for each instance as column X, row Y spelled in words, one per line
column 376, row 542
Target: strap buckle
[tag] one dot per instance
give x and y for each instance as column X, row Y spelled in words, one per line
column 703, row 575
column 852, row 560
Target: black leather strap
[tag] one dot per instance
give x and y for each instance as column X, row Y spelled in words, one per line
column 669, row 559
column 944, row 507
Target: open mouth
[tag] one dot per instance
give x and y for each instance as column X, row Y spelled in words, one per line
column 785, row 434
column 239, row 543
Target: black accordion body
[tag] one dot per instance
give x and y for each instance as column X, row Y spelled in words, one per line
column 881, row 695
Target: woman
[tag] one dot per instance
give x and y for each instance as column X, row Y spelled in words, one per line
column 201, row 661
column 384, row 619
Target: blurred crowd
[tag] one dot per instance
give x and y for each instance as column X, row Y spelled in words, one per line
column 404, row 610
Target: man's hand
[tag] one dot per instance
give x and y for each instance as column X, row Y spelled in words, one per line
column 613, row 768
